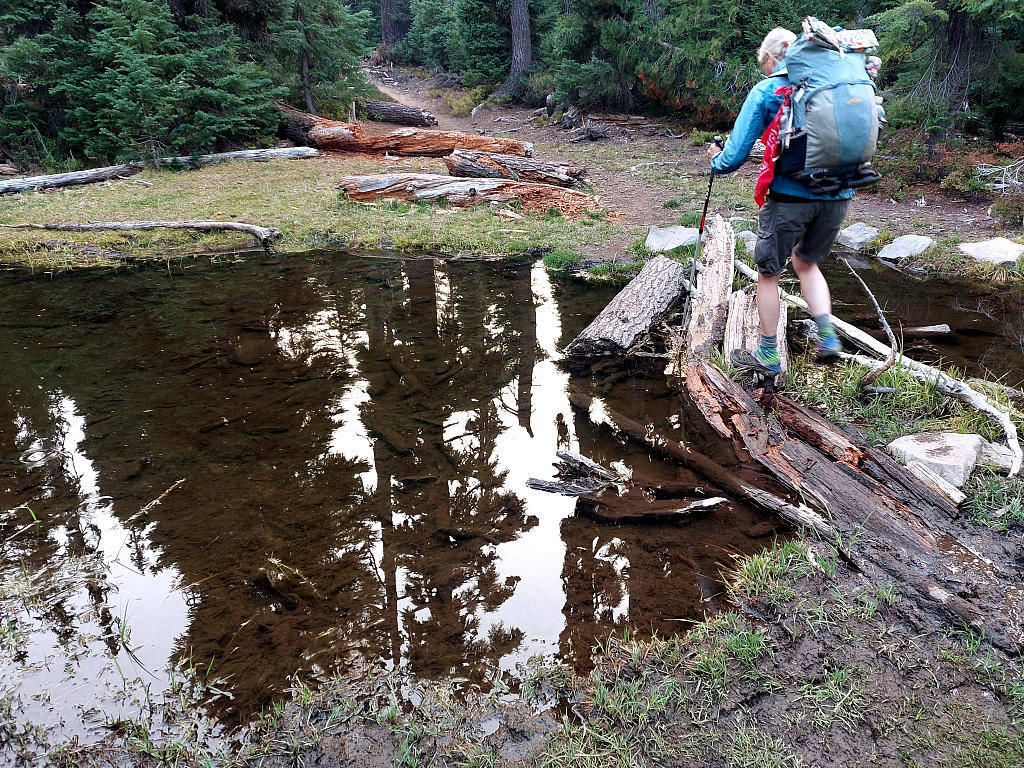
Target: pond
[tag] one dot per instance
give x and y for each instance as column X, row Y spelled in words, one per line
column 239, row 471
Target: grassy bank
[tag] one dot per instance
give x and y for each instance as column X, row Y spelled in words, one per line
column 299, row 198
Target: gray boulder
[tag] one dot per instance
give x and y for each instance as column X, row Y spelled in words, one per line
column 666, row 238
column 906, row 246
column 857, row 236
column 998, row 250
column 997, row 456
column 950, row 455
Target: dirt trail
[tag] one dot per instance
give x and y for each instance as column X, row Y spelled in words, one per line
column 641, row 200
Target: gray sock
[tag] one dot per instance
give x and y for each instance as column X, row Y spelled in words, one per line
column 769, row 342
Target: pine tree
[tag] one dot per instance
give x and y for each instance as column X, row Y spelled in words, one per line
column 316, row 45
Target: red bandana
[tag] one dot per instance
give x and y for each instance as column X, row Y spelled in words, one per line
column 770, row 139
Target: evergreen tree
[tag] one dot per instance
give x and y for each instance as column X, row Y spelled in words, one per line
column 316, row 45
column 433, row 37
column 484, row 39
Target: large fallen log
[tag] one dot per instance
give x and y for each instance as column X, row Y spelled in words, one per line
column 303, row 128
column 628, row 320
column 56, row 180
column 426, row 187
column 943, row 382
column 400, row 114
column 743, row 327
column 265, row 235
column 486, row 165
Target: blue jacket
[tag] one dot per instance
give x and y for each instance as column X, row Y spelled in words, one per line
column 759, row 109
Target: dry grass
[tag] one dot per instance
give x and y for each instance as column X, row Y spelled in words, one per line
column 298, row 197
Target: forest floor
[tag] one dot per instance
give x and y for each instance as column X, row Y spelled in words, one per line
column 816, row 666
column 647, row 173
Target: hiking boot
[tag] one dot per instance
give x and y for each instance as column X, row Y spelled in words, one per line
column 829, row 348
column 750, row 362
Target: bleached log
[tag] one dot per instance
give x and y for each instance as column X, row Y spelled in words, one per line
column 629, row 318
column 265, row 235
column 471, row 163
column 709, row 304
column 462, row 192
column 93, row 175
column 743, row 327
column 944, row 383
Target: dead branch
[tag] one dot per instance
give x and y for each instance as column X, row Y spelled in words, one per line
column 871, row 376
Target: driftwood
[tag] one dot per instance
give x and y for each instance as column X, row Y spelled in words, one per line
column 265, row 235
column 608, row 497
column 635, row 311
column 303, row 128
column 462, row 192
column 944, row 383
column 872, row 376
column 401, row 114
column 470, row 163
column 124, row 170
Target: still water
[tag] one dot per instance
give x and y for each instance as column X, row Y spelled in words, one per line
column 243, row 471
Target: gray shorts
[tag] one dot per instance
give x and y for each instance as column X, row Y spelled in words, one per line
column 805, row 229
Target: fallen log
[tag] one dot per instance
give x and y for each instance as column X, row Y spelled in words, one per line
column 401, row 114
column 470, row 163
column 9, row 169
column 412, row 141
column 628, row 320
column 93, row 175
column 265, row 235
column 899, row 527
column 417, row 187
column 943, row 382
column 743, row 327
column 307, row 129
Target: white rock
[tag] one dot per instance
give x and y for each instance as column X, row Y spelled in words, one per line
column 905, row 246
column 748, row 238
column 667, row 238
column 857, row 236
column 950, row 455
column 997, row 456
column 998, row 250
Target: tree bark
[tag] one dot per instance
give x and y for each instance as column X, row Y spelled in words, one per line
column 412, row 141
column 389, row 23
column 468, row 162
column 462, row 192
column 635, row 311
column 522, row 54
column 93, row 175
column 400, row 114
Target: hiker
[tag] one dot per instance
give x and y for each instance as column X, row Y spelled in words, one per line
column 795, row 221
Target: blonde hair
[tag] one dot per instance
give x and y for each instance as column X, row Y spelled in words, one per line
column 775, row 42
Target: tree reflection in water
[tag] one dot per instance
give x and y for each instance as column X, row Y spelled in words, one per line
column 353, row 437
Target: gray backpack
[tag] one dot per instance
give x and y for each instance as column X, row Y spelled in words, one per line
column 830, row 131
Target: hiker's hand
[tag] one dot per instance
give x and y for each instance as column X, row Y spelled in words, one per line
column 713, row 149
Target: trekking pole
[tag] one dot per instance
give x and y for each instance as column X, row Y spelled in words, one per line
column 700, row 232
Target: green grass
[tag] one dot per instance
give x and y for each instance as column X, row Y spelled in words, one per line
column 996, row 502
column 299, row 197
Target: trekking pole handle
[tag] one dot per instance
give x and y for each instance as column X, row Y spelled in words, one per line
column 720, row 142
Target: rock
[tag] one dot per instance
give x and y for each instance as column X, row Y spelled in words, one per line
column 998, row 250
column 997, row 456
column 748, row 238
column 906, row 246
column 667, row 238
column 950, row 455
column 937, row 482
column 857, row 236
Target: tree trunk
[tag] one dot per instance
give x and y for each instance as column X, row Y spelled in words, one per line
column 307, row 94
column 57, row 180
column 467, row 162
column 389, row 23
column 401, row 114
column 457, row 191
column 522, row 54
column 632, row 315
column 265, row 235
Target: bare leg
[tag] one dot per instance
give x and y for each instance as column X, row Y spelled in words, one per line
column 768, row 303
column 812, row 286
